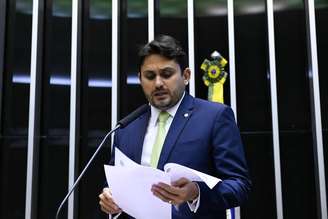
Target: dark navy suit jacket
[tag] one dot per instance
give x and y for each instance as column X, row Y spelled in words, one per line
column 203, row 136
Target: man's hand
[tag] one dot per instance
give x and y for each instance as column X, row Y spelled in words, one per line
column 107, row 203
column 180, row 191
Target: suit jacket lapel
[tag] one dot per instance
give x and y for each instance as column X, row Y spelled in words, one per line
column 179, row 121
column 140, row 133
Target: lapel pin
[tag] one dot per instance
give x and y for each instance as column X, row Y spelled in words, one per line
column 186, row 115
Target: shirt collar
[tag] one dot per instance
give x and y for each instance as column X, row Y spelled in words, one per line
column 172, row 111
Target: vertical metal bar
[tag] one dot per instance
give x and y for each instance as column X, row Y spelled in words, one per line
column 34, row 111
column 115, row 63
column 313, row 73
column 232, row 58
column 74, row 102
column 274, row 108
column 2, row 52
column 232, row 69
column 191, row 46
column 151, row 20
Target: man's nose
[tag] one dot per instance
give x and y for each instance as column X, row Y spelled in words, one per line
column 158, row 81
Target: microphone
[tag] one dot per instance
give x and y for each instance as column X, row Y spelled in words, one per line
column 121, row 124
column 132, row 116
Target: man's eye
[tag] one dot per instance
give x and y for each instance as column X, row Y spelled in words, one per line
column 167, row 74
column 150, row 76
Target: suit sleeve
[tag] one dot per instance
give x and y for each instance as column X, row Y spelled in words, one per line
column 230, row 164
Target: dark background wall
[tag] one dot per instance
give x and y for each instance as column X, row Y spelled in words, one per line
column 211, row 33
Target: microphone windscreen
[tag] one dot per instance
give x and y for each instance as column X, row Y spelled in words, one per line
column 132, row 116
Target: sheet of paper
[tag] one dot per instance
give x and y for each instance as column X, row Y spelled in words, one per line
column 176, row 171
column 131, row 190
column 130, row 184
column 121, row 160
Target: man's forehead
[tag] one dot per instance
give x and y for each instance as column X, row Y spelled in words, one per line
column 160, row 65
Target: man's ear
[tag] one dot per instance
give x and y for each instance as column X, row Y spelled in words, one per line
column 186, row 74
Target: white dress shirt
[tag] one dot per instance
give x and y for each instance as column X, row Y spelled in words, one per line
column 150, row 140
column 151, row 132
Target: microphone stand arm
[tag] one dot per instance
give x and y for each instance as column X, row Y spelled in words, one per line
column 85, row 168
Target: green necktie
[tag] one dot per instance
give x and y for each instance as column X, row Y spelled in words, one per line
column 160, row 137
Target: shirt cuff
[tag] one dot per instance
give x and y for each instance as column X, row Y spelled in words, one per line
column 194, row 205
column 114, row 216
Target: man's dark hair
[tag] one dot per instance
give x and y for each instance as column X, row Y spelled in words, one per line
column 166, row 46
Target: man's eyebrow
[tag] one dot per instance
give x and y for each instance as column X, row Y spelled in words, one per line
column 148, row 71
column 167, row 68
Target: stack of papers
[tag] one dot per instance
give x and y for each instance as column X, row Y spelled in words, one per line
column 130, row 184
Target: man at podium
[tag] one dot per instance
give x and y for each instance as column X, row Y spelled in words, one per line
column 178, row 128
